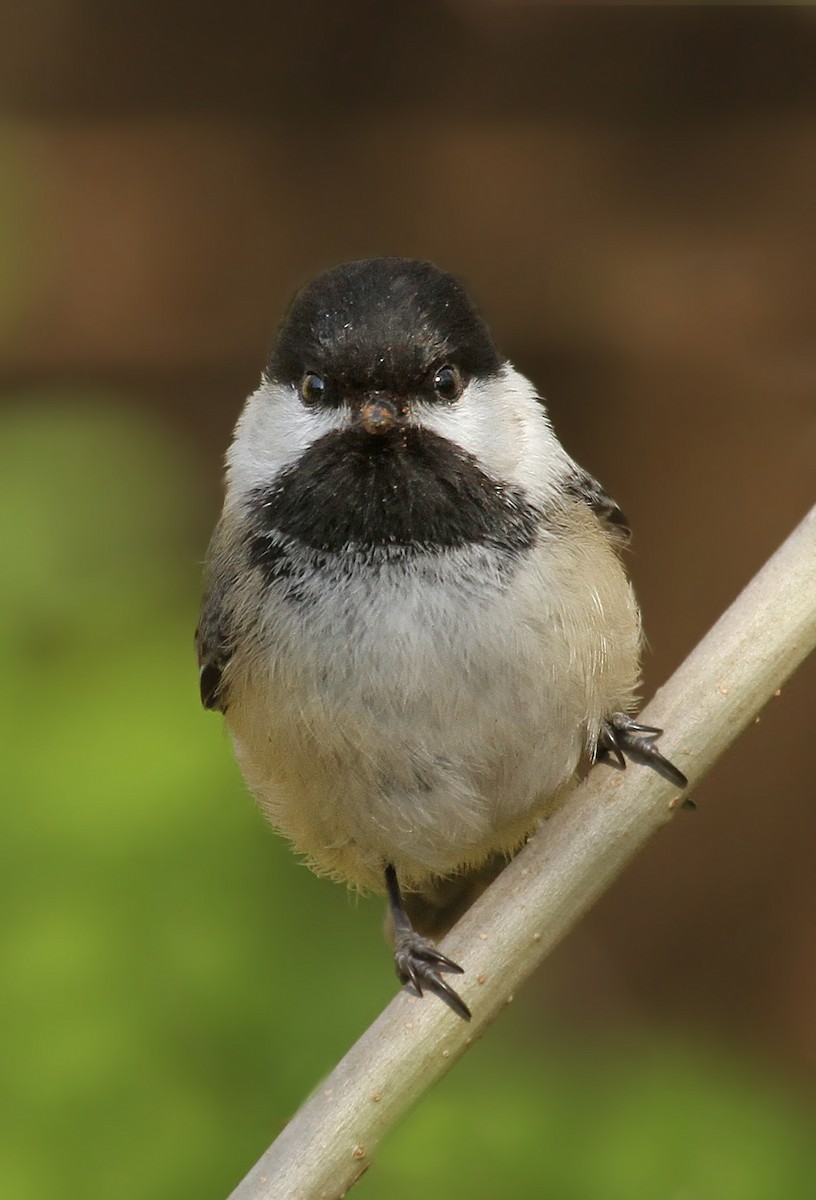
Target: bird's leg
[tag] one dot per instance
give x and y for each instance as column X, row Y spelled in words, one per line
column 418, row 963
column 621, row 736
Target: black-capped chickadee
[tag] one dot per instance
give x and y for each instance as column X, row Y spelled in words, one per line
column 416, row 622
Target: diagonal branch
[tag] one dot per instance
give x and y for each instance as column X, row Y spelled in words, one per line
column 715, row 694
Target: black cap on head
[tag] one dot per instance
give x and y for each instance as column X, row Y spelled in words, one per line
column 382, row 324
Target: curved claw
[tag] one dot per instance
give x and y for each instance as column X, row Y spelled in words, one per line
column 635, row 727
column 612, row 756
column 622, row 736
column 649, row 756
column 419, row 965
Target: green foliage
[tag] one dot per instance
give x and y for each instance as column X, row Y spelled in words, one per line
column 601, row 1120
column 174, row 982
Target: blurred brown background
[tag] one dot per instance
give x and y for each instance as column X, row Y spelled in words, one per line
column 630, row 194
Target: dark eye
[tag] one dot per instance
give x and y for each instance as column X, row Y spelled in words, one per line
column 447, row 383
column 312, row 387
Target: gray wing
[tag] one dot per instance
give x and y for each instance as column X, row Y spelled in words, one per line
column 587, row 489
column 214, row 652
column 214, row 637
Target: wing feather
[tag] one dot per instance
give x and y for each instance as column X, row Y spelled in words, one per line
column 587, row 489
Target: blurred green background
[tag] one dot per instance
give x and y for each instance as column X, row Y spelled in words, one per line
column 631, row 194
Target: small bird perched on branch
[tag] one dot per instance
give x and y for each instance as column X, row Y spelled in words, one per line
column 416, row 622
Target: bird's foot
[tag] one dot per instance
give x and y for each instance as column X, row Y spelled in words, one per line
column 621, row 736
column 420, row 967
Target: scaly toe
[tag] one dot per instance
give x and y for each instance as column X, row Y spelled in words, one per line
column 420, row 966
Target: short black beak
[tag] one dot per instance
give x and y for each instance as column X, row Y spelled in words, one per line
column 379, row 415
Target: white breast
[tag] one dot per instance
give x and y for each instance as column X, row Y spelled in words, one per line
column 425, row 713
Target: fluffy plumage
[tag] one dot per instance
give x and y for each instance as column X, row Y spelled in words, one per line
column 415, row 637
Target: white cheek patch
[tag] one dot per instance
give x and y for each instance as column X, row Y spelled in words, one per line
column 501, row 422
column 273, row 431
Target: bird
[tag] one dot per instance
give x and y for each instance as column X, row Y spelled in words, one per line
column 416, row 620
